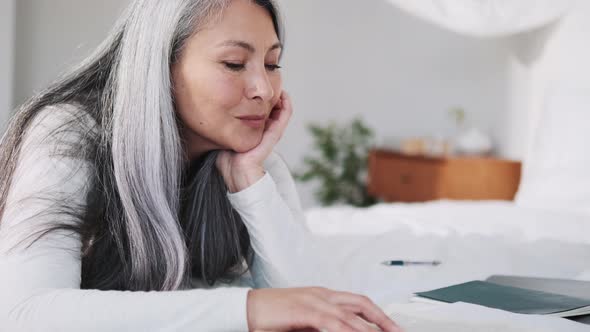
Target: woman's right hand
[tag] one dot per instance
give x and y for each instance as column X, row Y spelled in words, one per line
column 315, row 309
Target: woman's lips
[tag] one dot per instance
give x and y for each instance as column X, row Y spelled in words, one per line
column 254, row 121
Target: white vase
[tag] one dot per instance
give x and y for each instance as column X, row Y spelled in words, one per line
column 473, row 142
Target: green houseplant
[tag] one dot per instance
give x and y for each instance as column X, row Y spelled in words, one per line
column 339, row 163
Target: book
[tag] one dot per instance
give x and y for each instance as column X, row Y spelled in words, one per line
column 513, row 299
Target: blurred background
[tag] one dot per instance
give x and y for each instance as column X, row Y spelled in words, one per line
column 401, row 75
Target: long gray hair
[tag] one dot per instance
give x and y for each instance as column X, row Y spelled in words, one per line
column 152, row 220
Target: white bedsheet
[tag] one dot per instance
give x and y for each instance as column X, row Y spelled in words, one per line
column 472, row 239
column 445, row 218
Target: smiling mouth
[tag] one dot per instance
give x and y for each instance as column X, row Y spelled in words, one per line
column 252, row 117
column 254, row 121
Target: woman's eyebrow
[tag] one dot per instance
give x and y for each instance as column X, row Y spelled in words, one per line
column 248, row 47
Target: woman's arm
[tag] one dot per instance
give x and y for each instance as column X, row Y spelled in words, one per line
column 271, row 210
column 282, row 245
column 40, row 285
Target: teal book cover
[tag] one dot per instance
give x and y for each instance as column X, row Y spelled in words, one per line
column 513, row 299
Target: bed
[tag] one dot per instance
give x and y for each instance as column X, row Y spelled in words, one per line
column 473, row 240
column 545, row 232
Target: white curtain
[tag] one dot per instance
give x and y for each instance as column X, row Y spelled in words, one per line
column 487, row 18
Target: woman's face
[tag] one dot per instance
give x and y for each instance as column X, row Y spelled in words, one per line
column 226, row 81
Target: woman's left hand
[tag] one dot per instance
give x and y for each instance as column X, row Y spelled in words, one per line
column 240, row 170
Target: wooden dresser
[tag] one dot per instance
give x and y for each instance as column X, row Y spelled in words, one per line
column 395, row 177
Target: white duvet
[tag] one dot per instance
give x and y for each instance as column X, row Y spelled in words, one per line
column 473, row 240
column 443, row 218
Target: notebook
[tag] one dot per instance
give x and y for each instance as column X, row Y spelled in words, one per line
column 513, row 299
column 575, row 288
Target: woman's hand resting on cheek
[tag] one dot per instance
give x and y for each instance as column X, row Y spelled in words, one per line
column 240, row 170
column 313, row 309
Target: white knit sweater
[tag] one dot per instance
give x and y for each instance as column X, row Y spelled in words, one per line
column 40, row 285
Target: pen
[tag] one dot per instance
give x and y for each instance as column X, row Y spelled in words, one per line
column 405, row 263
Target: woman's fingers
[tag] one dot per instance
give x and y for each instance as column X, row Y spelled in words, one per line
column 275, row 127
column 326, row 322
column 348, row 317
column 363, row 306
column 381, row 325
column 359, row 312
column 279, row 119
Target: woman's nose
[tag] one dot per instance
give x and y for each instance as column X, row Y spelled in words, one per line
column 260, row 87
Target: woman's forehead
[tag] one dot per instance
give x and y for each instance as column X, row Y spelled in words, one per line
column 244, row 14
column 242, row 24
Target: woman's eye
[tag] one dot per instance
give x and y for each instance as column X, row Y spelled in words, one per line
column 239, row 66
column 273, row 67
column 234, row 66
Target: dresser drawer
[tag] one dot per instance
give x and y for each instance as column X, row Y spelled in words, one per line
column 400, row 178
column 396, row 178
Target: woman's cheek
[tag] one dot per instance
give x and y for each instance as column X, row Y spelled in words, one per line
column 229, row 93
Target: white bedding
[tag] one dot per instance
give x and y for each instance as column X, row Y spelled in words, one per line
column 443, row 218
column 472, row 239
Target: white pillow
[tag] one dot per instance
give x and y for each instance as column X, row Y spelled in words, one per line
column 556, row 172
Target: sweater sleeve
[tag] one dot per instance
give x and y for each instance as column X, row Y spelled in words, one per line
column 271, row 210
column 40, row 282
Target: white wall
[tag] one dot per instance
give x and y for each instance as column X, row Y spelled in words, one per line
column 350, row 57
column 54, row 34
column 7, row 22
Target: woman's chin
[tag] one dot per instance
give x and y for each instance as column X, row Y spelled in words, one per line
column 246, row 145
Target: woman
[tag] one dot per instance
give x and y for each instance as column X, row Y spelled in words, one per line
column 149, row 168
